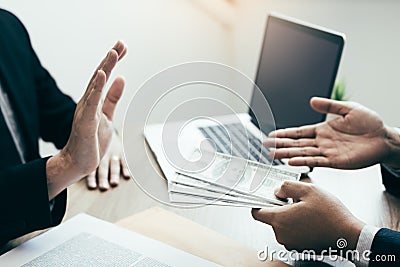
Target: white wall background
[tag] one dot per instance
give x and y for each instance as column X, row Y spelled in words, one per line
column 370, row 64
column 72, row 36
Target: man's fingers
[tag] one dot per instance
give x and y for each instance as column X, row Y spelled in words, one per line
column 288, row 142
column 109, row 63
column 291, row 152
column 114, row 55
column 317, row 161
column 106, row 65
column 91, row 180
column 92, row 101
column 307, row 131
column 324, row 105
column 263, row 215
column 267, row 215
column 293, row 189
column 123, row 54
column 125, row 171
column 112, row 97
column 121, row 49
column 115, row 171
column 102, row 176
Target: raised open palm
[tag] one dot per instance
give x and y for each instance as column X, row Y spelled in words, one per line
column 92, row 129
column 92, row 125
column 357, row 138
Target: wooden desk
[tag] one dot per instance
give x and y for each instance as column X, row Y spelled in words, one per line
column 361, row 191
column 194, row 238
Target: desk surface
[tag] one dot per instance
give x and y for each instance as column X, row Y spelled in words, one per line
column 361, row 191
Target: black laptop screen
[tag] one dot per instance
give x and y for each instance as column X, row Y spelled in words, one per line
column 296, row 63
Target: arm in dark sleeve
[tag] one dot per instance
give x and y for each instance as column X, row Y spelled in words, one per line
column 385, row 249
column 390, row 181
column 56, row 110
column 24, row 201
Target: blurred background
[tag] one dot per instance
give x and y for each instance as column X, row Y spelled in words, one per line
column 71, row 37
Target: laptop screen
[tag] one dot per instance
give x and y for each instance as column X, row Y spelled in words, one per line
column 297, row 62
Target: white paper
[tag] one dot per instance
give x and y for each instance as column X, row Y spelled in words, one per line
column 88, row 241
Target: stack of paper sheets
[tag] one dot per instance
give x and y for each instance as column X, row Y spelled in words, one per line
column 227, row 180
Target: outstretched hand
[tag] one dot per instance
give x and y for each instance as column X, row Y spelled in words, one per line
column 357, row 138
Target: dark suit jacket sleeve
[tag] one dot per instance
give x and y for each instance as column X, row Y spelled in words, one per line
column 24, row 200
column 24, row 203
column 385, row 248
column 391, row 182
column 386, row 242
column 56, row 110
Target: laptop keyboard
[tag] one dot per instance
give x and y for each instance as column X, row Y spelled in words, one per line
column 241, row 143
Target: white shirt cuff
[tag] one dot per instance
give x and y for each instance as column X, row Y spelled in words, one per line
column 364, row 244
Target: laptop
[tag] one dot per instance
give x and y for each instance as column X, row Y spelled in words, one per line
column 297, row 61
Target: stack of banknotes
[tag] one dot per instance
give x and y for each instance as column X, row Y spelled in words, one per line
column 229, row 181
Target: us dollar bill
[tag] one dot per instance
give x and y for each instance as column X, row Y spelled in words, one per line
column 227, row 173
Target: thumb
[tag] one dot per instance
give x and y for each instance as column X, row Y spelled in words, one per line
column 324, row 105
column 266, row 215
column 292, row 189
column 112, row 97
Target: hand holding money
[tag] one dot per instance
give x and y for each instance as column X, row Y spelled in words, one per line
column 318, row 217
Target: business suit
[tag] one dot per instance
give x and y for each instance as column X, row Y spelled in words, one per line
column 387, row 242
column 42, row 111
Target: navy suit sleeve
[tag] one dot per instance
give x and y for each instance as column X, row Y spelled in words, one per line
column 391, row 182
column 24, row 203
column 28, row 210
column 386, row 244
column 56, row 110
column 385, row 249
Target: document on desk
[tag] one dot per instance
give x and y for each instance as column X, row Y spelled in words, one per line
column 88, row 241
